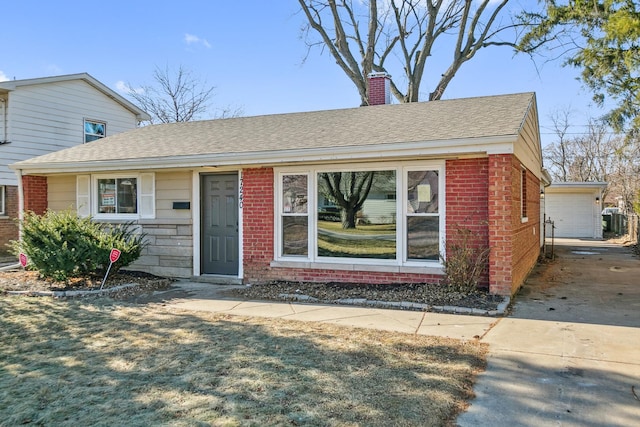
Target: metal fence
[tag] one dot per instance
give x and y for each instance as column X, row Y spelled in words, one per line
column 632, row 228
column 622, row 225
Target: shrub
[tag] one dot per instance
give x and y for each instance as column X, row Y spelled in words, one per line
column 61, row 245
column 465, row 262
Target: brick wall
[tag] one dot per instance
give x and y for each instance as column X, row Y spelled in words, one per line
column 483, row 196
column 34, row 189
column 514, row 244
column 526, row 238
column 337, row 275
column 467, row 204
column 8, row 224
column 257, row 222
column 500, row 222
column 258, row 241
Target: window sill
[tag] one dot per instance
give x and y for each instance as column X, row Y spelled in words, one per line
column 359, row 267
column 524, row 219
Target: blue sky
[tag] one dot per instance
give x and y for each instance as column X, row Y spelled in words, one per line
column 249, row 50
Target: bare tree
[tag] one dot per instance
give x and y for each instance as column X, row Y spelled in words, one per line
column 557, row 155
column 624, row 180
column 595, row 156
column 177, row 97
column 364, row 36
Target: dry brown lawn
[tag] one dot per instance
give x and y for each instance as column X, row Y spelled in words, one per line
column 101, row 363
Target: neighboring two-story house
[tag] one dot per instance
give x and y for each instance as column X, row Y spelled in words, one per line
column 42, row 115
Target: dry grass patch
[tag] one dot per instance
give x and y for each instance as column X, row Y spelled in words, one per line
column 69, row 363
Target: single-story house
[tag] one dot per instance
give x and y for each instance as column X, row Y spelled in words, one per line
column 575, row 209
column 239, row 198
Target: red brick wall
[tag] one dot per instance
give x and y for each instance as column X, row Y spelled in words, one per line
column 514, row 244
column 483, row 195
column 467, row 208
column 8, row 224
column 34, row 190
column 526, row 238
column 258, row 241
column 500, row 222
column 257, row 220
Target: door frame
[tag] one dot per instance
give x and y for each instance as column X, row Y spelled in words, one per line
column 196, row 218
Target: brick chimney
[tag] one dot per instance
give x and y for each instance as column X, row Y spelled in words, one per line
column 379, row 88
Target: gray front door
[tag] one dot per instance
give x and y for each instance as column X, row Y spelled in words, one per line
column 219, row 251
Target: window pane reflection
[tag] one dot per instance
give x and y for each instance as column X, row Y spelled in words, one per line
column 422, row 192
column 294, row 235
column 357, row 214
column 423, row 237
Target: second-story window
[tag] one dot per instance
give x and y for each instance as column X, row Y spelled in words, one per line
column 94, row 130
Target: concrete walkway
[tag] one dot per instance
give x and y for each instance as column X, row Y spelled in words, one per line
column 208, row 297
column 568, row 355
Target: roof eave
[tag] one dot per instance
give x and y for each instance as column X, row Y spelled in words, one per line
column 381, row 152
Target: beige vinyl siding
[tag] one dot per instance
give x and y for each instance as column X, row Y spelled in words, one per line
column 528, row 148
column 49, row 117
column 61, row 192
column 169, row 187
column 173, row 187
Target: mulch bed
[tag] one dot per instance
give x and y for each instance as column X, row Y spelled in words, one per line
column 422, row 293
column 32, row 282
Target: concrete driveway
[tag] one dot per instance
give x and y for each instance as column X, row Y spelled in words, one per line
column 569, row 353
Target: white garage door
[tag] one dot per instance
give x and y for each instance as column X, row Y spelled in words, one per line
column 572, row 214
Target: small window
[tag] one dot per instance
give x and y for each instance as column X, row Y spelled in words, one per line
column 126, row 196
column 523, row 194
column 118, row 196
column 94, row 130
column 2, row 202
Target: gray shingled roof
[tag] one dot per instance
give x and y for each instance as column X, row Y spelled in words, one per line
column 376, row 126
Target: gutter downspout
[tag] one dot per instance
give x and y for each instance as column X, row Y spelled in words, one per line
column 3, row 140
column 20, row 202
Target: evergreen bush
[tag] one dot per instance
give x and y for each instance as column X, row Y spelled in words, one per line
column 61, row 245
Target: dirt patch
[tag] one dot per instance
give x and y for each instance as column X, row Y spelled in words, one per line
column 422, row 293
column 32, row 282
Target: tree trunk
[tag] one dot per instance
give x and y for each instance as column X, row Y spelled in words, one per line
column 348, row 216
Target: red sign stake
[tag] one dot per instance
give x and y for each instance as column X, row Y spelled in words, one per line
column 114, row 255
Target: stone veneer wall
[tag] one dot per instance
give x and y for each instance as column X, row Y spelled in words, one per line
column 170, row 249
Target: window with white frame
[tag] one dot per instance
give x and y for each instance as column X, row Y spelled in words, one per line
column 389, row 215
column 2, row 200
column 94, row 130
column 423, row 215
column 127, row 196
column 523, row 194
column 117, row 195
column 295, row 215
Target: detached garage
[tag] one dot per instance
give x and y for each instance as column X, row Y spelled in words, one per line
column 575, row 208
